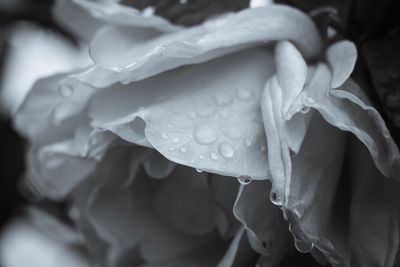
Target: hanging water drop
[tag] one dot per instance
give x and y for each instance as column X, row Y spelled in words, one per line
column 303, row 246
column 245, row 179
column 199, row 170
column 226, row 150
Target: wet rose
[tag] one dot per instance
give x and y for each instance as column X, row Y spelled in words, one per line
column 253, row 96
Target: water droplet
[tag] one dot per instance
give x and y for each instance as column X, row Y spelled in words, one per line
column 125, row 81
column 213, row 156
column 226, row 150
column 148, row 11
column 65, row 90
column 304, row 109
column 247, row 142
column 164, row 136
column 263, row 148
column 182, row 149
column 245, row 179
column 176, row 140
column 244, row 94
column 74, row 213
column 201, row 156
column 222, row 99
column 205, row 109
column 171, row 148
column 183, row 1
column 204, row 134
column 199, row 170
column 273, row 196
column 303, row 246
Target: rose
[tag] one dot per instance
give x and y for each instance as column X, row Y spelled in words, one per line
column 205, row 97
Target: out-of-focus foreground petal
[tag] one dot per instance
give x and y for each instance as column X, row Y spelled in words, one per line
column 40, row 240
column 263, row 221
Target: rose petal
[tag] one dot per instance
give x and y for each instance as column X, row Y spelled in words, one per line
column 291, row 72
column 341, row 57
column 214, row 126
column 184, row 200
column 375, row 205
column 52, row 109
column 76, row 19
column 225, row 191
column 247, row 28
column 312, row 203
column 266, row 229
column 342, row 108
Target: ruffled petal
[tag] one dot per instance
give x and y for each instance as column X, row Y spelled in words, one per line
column 215, row 126
column 264, row 224
column 341, row 57
column 225, row 191
column 312, row 204
column 374, row 215
column 350, row 112
column 125, row 215
column 250, row 27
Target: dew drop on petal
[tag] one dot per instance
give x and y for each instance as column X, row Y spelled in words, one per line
column 205, row 134
column 247, row 142
column 176, row 140
column 164, row 136
column 205, row 108
column 201, row 156
column 263, row 148
column 199, row 170
column 213, row 156
column 222, row 99
column 244, row 94
column 171, row 148
column 226, row 150
column 65, row 90
column 182, row 149
column 245, row 179
column 274, row 199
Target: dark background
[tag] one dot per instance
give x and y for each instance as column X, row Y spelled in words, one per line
column 373, row 25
